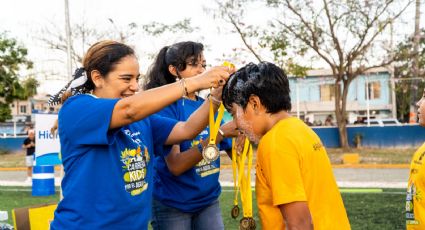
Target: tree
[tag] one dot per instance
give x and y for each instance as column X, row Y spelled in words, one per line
column 342, row 34
column 255, row 39
column 83, row 35
column 12, row 60
column 403, row 72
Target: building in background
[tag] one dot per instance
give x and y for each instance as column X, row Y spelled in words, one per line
column 22, row 110
column 313, row 96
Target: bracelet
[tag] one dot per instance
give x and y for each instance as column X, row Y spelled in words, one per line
column 184, row 88
column 221, row 132
column 214, row 100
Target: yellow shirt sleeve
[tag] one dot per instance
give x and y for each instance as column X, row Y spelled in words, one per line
column 283, row 172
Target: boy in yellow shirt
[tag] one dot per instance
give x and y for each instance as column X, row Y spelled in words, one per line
column 295, row 186
column 415, row 199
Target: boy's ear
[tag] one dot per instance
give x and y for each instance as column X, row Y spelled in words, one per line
column 255, row 102
column 172, row 69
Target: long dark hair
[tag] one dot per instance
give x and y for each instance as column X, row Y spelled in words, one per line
column 176, row 55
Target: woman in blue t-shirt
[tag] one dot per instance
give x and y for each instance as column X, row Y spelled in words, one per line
column 186, row 187
column 108, row 133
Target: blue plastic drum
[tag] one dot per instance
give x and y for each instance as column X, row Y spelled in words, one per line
column 43, row 180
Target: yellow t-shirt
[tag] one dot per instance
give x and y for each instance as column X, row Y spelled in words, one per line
column 415, row 200
column 292, row 165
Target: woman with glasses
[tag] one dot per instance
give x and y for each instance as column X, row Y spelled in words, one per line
column 108, row 133
column 186, row 187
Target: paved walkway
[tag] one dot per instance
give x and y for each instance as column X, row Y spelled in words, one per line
column 346, row 177
column 351, row 177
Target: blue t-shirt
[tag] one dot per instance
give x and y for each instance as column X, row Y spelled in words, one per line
column 197, row 187
column 108, row 173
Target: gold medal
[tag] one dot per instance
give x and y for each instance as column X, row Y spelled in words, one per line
column 235, row 212
column 245, row 223
column 252, row 223
column 210, row 153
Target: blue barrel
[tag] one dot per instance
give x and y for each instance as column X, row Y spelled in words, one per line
column 43, row 180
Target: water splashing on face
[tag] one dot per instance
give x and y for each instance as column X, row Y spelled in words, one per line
column 245, row 126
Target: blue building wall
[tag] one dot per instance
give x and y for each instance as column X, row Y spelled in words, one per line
column 411, row 136
column 309, row 88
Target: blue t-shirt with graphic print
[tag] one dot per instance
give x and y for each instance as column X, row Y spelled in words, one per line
column 196, row 188
column 108, row 173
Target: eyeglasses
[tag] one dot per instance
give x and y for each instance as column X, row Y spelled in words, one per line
column 203, row 65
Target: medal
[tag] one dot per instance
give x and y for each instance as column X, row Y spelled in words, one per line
column 235, row 212
column 210, row 153
column 245, row 223
column 252, row 223
column 242, row 182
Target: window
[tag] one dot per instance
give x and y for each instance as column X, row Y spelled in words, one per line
column 23, row 109
column 327, row 92
column 374, row 90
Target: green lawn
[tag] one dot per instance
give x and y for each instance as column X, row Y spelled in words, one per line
column 17, row 197
column 366, row 209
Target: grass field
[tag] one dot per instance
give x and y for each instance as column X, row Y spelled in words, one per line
column 366, row 209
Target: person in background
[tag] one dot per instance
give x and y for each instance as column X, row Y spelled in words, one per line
column 295, row 186
column 415, row 201
column 29, row 146
column 108, row 131
column 329, row 120
column 307, row 121
column 359, row 121
column 186, row 186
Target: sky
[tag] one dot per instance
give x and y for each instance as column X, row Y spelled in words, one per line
column 24, row 20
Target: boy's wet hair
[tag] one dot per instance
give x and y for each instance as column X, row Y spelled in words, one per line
column 265, row 80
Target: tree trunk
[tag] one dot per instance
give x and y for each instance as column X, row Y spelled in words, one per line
column 343, row 137
column 340, row 109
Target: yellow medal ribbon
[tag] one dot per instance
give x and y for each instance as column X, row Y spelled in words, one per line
column 234, row 170
column 247, row 190
column 215, row 125
column 242, row 178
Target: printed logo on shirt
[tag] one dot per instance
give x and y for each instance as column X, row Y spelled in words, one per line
column 413, row 195
column 135, row 167
column 317, row 146
column 411, row 191
column 419, row 161
column 204, row 168
column 135, row 162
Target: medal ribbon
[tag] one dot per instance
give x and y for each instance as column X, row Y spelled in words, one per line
column 234, row 170
column 215, row 125
column 243, row 180
column 246, row 190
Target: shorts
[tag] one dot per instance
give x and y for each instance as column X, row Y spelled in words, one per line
column 29, row 161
